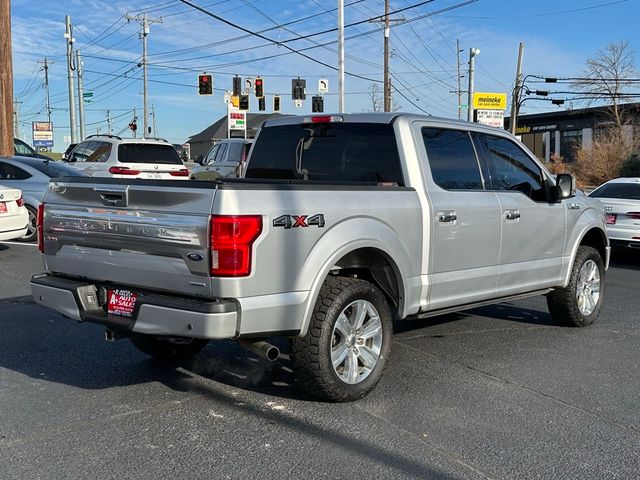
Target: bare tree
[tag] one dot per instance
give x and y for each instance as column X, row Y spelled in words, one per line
column 375, row 94
column 607, row 76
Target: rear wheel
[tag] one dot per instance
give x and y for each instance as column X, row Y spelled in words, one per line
column 579, row 303
column 344, row 353
column 168, row 348
column 30, row 236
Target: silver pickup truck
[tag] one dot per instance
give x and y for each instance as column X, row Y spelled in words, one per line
column 342, row 224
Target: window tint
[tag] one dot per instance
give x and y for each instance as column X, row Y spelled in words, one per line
column 235, row 152
column 148, row 153
column 53, row 169
column 9, row 171
column 348, row 152
column 452, row 159
column 618, row 190
column 222, row 149
column 512, row 169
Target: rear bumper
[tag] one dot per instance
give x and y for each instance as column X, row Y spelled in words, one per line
column 154, row 314
column 13, row 234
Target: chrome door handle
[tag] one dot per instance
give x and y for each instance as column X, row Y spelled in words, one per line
column 447, row 217
column 512, row 215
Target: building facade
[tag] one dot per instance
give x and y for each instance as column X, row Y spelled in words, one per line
column 564, row 132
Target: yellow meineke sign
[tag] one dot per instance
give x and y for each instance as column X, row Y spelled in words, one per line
column 489, row 101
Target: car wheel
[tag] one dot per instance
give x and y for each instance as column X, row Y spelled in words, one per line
column 31, row 226
column 168, row 348
column 579, row 303
column 343, row 355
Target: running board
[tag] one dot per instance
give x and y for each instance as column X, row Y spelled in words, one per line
column 484, row 303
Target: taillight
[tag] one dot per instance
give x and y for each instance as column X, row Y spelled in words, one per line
column 232, row 238
column 323, row 119
column 40, row 227
column 183, row 172
column 634, row 215
column 123, row 171
column 20, row 201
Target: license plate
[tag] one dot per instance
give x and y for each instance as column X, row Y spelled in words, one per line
column 121, row 302
column 154, row 176
column 3, row 207
column 611, row 218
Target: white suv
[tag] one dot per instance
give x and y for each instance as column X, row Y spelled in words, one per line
column 113, row 156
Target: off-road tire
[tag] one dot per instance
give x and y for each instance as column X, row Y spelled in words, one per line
column 164, row 349
column 311, row 354
column 562, row 302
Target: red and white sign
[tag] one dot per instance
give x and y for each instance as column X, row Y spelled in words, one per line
column 121, row 302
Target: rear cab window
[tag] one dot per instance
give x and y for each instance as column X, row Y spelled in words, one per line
column 342, row 152
column 148, row 153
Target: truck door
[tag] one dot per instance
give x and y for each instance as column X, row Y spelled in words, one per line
column 464, row 220
column 533, row 229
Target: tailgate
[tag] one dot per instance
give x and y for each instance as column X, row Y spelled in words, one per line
column 143, row 234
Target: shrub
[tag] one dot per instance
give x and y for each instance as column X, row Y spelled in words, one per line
column 631, row 166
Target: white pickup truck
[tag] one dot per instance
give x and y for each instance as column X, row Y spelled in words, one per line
column 342, row 224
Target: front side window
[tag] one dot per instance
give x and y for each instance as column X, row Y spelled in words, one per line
column 331, row 152
column 452, row 159
column 22, row 148
column 512, row 169
column 211, row 155
column 222, row 149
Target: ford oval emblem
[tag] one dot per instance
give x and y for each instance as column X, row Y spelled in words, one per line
column 195, row 257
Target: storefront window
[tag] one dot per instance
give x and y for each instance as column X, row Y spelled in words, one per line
column 570, row 141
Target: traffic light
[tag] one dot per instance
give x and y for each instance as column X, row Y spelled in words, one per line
column 237, row 85
column 298, row 89
column 205, row 84
column 317, row 104
column 276, row 103
column 259, row 87
column 244, row 102
column 261, row 105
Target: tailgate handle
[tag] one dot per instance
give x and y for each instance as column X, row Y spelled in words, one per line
column 113, row 197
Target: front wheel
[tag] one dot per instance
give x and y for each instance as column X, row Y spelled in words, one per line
column 344, row 353
column 580, row 302
column 168, row 348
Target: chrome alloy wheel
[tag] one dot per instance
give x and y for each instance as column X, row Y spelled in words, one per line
column 356, row 341
column 588, row 287
column 31, row 226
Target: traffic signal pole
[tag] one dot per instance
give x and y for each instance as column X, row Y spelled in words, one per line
column 6, row 81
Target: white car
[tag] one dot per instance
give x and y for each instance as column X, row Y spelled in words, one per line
column 620, row 198
column 13, row 214
column 113, row 156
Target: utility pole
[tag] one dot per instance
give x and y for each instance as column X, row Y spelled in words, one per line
column 16, row 119
column 515, row 98
column 109, row 122
column 386, row 24
column 144, row 21
column 473, row 52
column 68, row 35
column 153, row 120
column 6, row 80
column 341, row 56
column 79, row 69
column 45, row 67
column 135, row 120
column 459, row 78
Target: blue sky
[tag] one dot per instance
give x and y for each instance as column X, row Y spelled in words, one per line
column 558, row 37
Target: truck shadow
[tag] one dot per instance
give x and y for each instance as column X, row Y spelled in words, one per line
column 626, row 258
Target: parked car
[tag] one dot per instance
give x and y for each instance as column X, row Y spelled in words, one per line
column 67, row 153
column 23, row 149
column 342, row 224
column 222, row 160
column 113, row 156
column 13, row 214
column 621, row 201
column 182, row 153
column 31, row 176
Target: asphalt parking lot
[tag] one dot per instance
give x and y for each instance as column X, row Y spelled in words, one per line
column 498, row 392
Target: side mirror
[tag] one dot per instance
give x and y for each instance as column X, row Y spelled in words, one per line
column 199, row 159
column 565, row 186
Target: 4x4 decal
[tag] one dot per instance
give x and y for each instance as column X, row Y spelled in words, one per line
column 296, row 221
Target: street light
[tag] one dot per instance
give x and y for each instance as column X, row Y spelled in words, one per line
column 473, row 52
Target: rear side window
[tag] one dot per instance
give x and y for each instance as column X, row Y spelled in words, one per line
column 512, row 169
column 343, row 152
column 148, row 153
column 12, row 172
column 452, row 159
column 618, row 190
column 101, row 152
column 22, row 148
column 235, row 152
